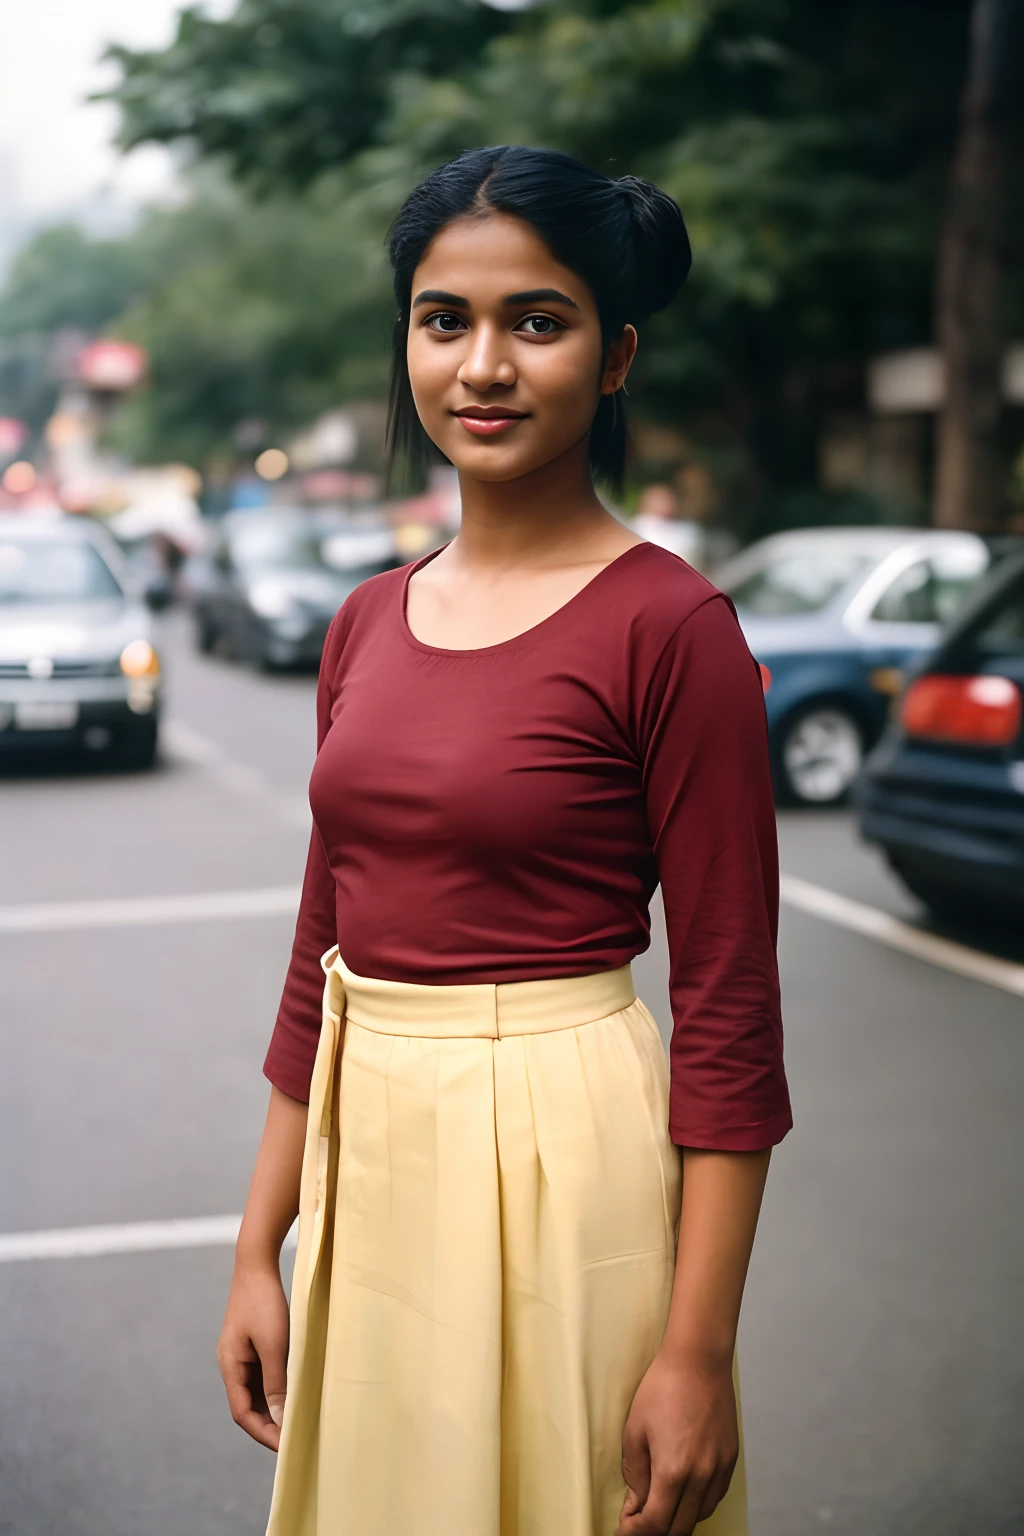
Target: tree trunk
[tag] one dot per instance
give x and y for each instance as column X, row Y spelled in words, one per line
column 968, row 479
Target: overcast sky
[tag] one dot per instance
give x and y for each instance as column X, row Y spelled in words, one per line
column 55, row 152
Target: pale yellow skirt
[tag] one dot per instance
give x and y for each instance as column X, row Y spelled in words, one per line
column 489, row 1209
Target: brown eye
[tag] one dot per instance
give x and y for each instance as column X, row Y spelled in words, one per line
column 445, row 322
column 540, row 325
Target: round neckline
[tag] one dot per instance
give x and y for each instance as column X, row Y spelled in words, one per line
column 524, row 635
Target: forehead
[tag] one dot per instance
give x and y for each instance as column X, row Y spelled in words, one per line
column 484, row 258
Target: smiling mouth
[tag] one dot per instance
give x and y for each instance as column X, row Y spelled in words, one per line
column 488, row 420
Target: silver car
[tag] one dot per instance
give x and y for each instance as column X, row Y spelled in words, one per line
column 836, row 616
column 78, row 668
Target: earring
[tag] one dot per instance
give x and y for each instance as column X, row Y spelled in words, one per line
column 625, row 391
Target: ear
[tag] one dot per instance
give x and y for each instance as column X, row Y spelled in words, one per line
column 617, row 361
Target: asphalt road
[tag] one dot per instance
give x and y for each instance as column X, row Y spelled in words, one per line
column 881, row 1349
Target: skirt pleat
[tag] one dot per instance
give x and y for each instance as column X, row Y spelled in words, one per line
column 485, row 1262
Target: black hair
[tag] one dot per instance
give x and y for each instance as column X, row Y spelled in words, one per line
column 625, row 238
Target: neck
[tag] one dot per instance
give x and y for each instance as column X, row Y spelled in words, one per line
column 530, row 519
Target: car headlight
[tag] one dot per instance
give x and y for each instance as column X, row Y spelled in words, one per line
column 138, row 659
column 271, row 601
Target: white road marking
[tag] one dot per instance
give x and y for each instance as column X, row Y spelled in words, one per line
column 143, row 911
column 129, row 1237
column 190, row 746
column 221, row 1231
column 891, row 931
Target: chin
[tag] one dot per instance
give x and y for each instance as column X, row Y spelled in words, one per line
column 496, row 474
column 494, row 465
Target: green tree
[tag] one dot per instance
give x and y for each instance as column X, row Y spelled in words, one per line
column 808, row 146
column 61, row 281
column 273, row 310
column 65, row 279
column 285, row 89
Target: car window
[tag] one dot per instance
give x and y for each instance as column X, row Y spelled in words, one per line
column 1002, row 632
column 53, row 571
column 927, row 592
column 263, row 545
column 800, row 580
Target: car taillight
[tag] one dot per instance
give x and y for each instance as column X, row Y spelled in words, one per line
column 979, row 711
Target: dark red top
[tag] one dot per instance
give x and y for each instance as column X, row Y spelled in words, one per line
column 505, row 814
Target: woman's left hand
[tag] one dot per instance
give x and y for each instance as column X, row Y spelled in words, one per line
column 679, row 1446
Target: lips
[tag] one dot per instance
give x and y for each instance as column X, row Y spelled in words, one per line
column 489, row 420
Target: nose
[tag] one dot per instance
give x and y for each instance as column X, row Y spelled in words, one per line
column 487, row 363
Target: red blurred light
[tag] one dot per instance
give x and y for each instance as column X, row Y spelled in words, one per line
column 979, row 711
column 766, row 677
column 112, row 365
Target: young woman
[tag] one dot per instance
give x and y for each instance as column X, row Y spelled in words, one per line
column 521, row 1255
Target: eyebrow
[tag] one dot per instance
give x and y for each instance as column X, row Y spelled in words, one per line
column 540, row 296
column 530, row 296
column 438, row 296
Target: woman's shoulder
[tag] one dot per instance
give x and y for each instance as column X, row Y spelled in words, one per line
column 657, row 592
column 372, row 596
column 364, row 607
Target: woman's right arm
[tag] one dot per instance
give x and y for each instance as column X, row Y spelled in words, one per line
column 253, row 1347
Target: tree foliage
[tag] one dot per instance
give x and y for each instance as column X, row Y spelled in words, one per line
column 271, row 310
column 288, row 88
column 807, row 144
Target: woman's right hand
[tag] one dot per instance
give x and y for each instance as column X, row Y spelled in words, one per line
column 253, row 1351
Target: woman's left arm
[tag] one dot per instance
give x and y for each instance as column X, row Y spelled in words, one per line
column 703, row 737
column 681, row 1439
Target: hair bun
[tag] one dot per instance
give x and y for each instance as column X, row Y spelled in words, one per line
column 661, row 247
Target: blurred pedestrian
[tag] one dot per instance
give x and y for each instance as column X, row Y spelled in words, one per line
column 659, row 520
column 522, row 1246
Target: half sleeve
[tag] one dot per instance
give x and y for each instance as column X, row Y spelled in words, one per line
column 289, row 1061
column 709, row 799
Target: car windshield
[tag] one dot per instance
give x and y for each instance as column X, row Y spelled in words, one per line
column 53, row 571
column 802, row 579
column 262, row 545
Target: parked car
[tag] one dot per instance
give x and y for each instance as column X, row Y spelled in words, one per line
column 273, row 581
column 836, row 615
column 77, row 664
column 943, row 792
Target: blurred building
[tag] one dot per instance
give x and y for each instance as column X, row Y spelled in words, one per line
column 886, row 449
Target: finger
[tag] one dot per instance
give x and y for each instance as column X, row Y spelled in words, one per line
column 636, row 1464
column 658, row 1512
column 715, row 1493
column 689, row 1507
column 636, row 1474
column 242, row 1384
column 235, row 1376
column 274, row 1361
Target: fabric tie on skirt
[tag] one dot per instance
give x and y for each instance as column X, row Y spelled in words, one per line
column 488, row 1215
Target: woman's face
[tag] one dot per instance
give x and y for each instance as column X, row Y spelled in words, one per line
column 505, row 354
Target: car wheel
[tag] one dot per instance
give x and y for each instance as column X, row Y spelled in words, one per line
column 819, row 754
column 137, row 749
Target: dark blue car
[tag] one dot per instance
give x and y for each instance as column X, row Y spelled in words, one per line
column 837, row 615
column 943, row 793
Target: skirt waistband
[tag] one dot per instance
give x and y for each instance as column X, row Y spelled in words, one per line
column 481, row 1010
